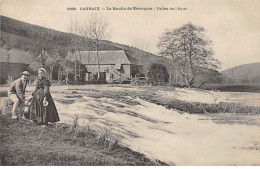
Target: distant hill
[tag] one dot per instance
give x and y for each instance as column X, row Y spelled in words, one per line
column 247, row 73
column 28, row 37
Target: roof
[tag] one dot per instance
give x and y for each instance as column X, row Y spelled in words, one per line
column 15, row 56
column 105, row 57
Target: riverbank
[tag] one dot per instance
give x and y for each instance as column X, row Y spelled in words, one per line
column 25, row 143
column 131, row 116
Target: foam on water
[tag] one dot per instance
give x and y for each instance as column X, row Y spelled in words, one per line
column 181, row 139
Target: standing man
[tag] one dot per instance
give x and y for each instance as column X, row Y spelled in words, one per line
column 16, row 93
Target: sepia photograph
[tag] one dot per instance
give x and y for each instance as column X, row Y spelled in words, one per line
column 129, row 83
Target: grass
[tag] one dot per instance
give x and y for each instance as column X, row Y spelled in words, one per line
column 234, row 87
column 190, row 107
column 27, row 144
column 200, row 108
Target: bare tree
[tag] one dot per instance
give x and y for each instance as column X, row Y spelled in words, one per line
column 75, row 46
column 139, row 56
column 190, row 49
column 42, row 48
column 95, row 29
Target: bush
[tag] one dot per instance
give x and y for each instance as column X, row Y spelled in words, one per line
column 3, row 81
column 157, row 73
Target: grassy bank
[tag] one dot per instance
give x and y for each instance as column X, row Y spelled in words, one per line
column 170, row 103
column 200, row 108
column 25, row 143
column 234, row 87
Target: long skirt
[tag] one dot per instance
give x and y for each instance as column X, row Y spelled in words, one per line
column 43, row 114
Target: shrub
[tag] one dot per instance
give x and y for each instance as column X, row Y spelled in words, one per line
column 157, row 73
column 3, row 81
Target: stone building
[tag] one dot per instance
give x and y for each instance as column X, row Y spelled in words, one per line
column 114, row 65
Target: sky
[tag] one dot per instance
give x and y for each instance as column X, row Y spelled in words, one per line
column 232, row 25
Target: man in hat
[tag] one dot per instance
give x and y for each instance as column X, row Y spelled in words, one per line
column 16, row 93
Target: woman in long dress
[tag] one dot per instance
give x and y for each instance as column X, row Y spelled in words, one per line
column 43, row 109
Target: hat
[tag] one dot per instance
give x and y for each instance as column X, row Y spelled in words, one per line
column 25, row 73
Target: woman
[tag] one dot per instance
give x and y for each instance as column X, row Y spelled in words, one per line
column 43, row 109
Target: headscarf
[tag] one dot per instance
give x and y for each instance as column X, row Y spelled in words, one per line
column 42, row 69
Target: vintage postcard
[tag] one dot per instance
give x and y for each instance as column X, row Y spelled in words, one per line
column 130, row 83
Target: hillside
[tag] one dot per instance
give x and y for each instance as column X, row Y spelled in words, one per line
column 247, row 73
column 28, row 37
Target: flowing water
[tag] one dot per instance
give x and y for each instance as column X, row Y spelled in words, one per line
column 160, row 133
column 181, row 139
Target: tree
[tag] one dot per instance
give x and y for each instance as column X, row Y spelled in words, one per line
column 44, row 48
column 139, row 56
column 95, row 29
column 209, row 76
column 75, row 45
column 190, row 49
column 48, row 60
